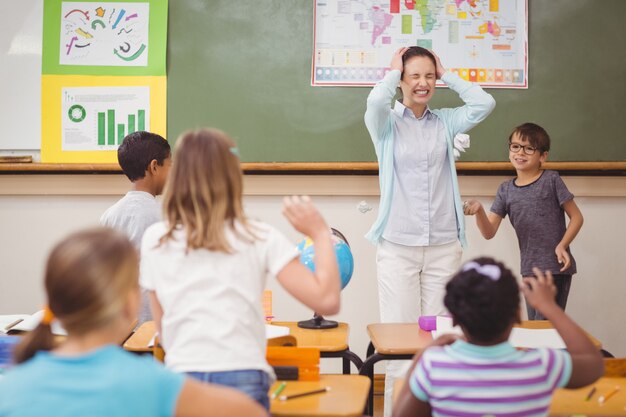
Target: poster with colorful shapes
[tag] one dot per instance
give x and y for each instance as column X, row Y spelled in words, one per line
column 105, row 37
column 103, row 76
column 113, row 34
column 484, row 41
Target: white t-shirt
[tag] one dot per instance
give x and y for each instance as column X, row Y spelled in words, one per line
column 133, row 214
column 212, row 301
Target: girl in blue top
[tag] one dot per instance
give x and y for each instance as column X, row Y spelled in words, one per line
column 419, row 230
column 92, row 288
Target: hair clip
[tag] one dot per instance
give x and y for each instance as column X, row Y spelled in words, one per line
column 48, row 316
column 490, row 271
column 234, row 150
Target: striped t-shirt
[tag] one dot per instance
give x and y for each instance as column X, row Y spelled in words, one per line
column 467, row 380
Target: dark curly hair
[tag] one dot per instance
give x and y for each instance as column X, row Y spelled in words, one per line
column 484, row 302
column 138, row 149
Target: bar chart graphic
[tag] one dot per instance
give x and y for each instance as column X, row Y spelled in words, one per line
column 98, row 118
column 111, row 132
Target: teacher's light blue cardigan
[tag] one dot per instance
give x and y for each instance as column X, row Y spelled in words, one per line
column 380, row 121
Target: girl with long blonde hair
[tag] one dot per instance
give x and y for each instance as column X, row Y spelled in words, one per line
column 207, row 264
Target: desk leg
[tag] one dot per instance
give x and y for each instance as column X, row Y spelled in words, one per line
column 347, row 356
column 346, row 366
column 368, row 370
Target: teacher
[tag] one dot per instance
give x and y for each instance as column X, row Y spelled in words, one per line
column 419, row 231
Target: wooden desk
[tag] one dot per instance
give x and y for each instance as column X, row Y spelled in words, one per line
column 139, row 341
column 332, row 343
column 394, row 341
column 568, row 402
column 346, row 397
column 571, row 402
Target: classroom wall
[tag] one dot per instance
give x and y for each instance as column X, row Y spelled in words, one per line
column 37, row 210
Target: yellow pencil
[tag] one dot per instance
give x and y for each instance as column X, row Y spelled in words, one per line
column 605, row 397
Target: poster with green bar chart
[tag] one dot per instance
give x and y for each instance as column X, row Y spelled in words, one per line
column 98, row 118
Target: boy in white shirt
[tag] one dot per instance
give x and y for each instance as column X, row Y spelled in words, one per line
column 145, row 159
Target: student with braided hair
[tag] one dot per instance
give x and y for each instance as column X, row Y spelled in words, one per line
column 484, row 374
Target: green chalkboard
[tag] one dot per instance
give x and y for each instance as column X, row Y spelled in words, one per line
column 245, row 67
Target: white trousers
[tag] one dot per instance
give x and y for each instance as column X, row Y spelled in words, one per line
column 411, row 283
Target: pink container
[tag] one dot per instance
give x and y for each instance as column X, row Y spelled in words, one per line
column 427, row 323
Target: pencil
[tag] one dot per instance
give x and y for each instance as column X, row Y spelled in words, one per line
column 605, row 397
column 303, row 394
column 280, row 389
column 593, row 391
column 15, row 323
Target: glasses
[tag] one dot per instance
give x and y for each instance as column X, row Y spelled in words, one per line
column 516, row 147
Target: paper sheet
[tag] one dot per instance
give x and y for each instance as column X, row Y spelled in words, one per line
column 30, row 322
column 6, row 320
column 520, row 337
column 536, row 338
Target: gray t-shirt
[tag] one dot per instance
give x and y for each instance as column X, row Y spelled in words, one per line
column 132, row 215
column 536, row 213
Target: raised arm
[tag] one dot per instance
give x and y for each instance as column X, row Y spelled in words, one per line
column 478, row 103
column 488, row 223
column 573, row 227
column 587, row 364
column 318, row 290
column 380, row 98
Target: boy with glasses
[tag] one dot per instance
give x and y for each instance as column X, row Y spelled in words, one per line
column 535, row 201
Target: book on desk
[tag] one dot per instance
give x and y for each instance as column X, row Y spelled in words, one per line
column 19, row 323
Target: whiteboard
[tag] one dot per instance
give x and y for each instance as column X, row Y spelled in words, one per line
column 21, row 27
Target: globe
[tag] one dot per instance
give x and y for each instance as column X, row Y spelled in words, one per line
column 345, row 263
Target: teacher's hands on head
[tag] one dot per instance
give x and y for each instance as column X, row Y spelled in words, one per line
column 396, row 60
column 440, row 69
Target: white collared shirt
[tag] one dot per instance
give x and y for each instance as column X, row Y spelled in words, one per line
column 422, row 210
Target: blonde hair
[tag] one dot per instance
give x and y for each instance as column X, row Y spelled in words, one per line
column 88, row 277
column 203, row 194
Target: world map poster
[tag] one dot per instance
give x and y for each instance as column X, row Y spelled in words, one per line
column 483, row 41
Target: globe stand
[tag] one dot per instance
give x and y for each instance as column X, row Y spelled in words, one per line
column 318, row 322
